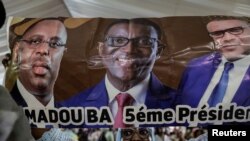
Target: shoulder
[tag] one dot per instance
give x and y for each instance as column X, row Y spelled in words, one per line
column 156, row 84
column 82, row 97
column 158, row 89
column 76, row 99
column 205, row 59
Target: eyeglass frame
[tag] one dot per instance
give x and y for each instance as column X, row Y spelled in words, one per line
column 29, row 42
column 228, row 30
column 133, row 40
column 136, row 131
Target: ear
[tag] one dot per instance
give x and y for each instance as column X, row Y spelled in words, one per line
column 160, row 49
column 216, row 44
column 15, row 50
column 100, row 48
column 65, row 49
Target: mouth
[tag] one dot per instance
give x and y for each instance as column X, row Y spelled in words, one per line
column 126, row 61
column 227, row 46
column 40, row 68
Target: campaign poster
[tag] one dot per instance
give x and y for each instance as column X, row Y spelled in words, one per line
column 116, row 73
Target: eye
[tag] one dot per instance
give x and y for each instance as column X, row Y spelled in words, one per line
column 127, row 132
column 146, row 41
column 236, row 30
column 144, row 132
column 35, row 42
column 119, row 40
column 116, row 41
column 55, row 44
column 217, row 33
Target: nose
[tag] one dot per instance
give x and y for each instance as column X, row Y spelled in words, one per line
column 43, row 49
column 228, row 37
column 136, row 137
column 130, row 47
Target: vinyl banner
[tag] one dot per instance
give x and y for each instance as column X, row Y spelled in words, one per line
column 117, row 73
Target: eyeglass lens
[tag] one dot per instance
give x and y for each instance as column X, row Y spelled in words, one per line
column 123, row 41
column 233, row 31
column 128, row 133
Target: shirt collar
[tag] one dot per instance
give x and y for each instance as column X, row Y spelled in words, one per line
column 31, row 100
column 138, row 92
column 244, row 62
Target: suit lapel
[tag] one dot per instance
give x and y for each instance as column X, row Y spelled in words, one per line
column 208, row 66
column 16, row 95
column 98, row 96
column 158, row 96
column 242, row 95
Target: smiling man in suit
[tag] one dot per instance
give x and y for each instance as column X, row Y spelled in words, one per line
column 129, row 50
column 223, row 76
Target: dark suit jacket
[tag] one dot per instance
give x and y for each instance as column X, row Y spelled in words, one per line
column 197, row 77
column 16, row 95
column 158, row 96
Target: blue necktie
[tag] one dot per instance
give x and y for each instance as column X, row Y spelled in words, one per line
column 220, row 89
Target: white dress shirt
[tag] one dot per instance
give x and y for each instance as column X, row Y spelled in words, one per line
column 31, row 100
column 236, row 76
column 138, row 92
column 33, row 103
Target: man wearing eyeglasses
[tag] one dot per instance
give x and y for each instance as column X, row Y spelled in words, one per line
column 223, row 76
column 38, row 53
column 135, row 134
column 129, row 50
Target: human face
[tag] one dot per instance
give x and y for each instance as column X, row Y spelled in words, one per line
column 234, row 45
column 133, row 61
column 136, row 134
column 39, row 63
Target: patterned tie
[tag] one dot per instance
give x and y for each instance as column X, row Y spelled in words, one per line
column 123, row 99
column 220, row 89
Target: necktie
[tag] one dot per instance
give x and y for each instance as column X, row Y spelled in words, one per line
column 220, row 89
column 122, row 100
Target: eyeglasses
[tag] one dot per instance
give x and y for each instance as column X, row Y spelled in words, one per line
column 123, row 41
column 128, row 133
column 234, row 31
column 38, row 42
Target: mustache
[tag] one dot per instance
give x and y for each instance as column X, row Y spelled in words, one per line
column 35, row 62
